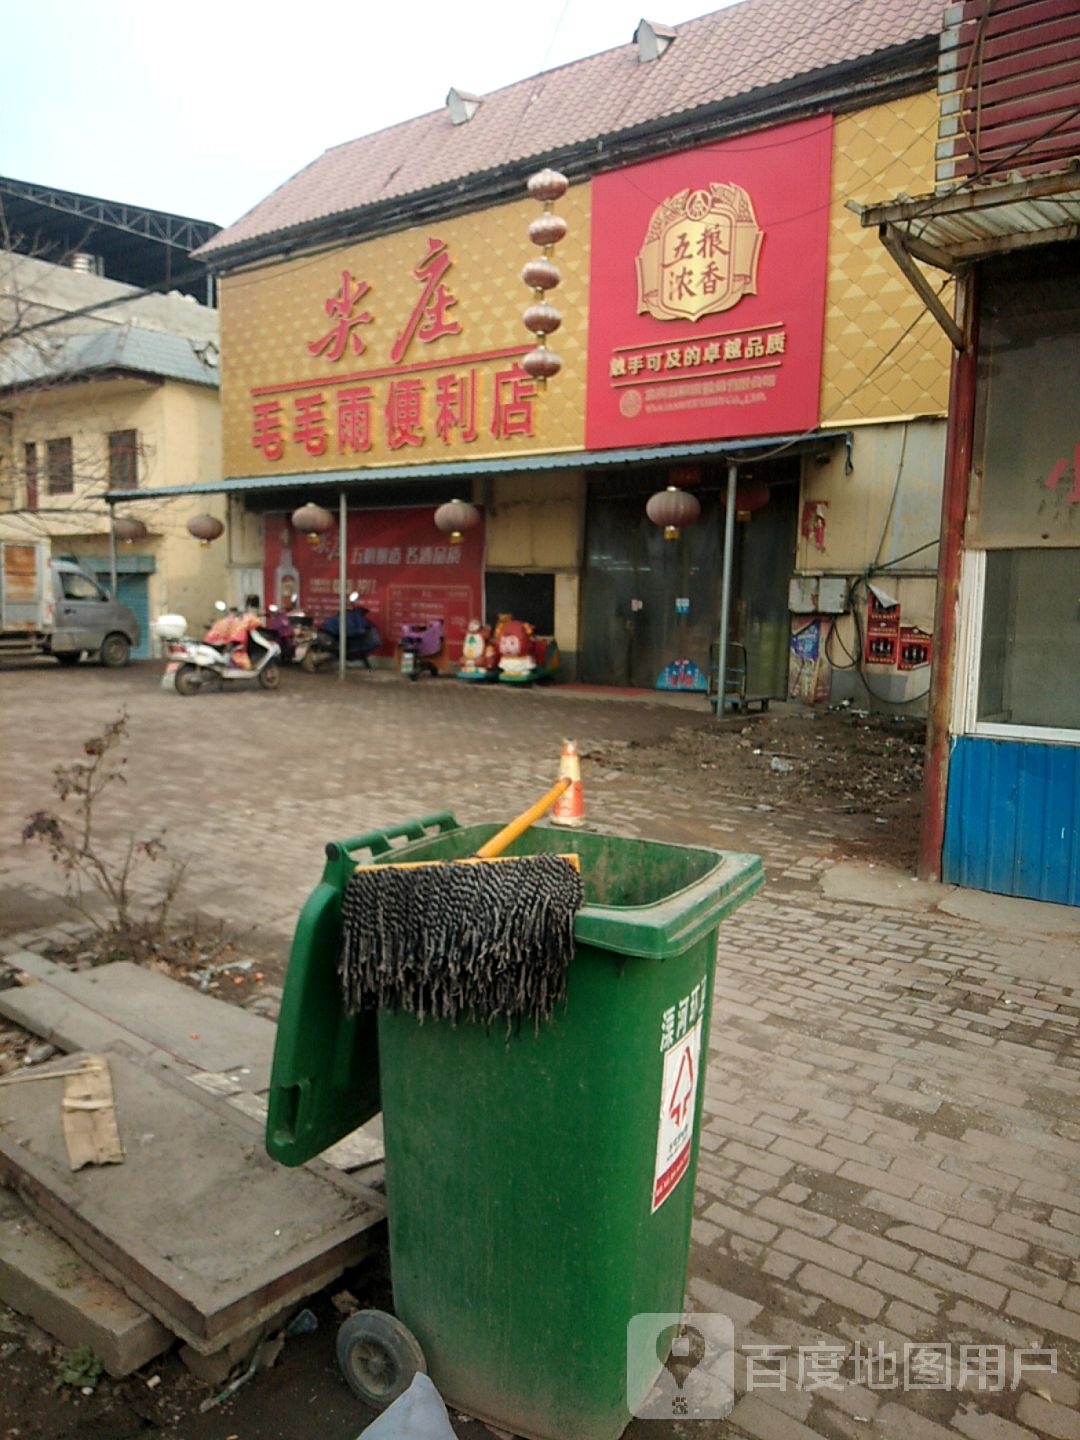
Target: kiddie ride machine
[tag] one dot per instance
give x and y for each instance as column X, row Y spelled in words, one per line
column 512, row 653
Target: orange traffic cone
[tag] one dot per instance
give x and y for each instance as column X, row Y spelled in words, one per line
column 570, row 806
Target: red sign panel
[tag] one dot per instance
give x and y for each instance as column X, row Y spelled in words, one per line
column 707, row 291
column 405, row 571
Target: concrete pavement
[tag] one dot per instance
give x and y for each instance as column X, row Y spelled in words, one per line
column 888, row 1201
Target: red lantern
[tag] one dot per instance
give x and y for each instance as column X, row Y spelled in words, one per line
column 313, row 521
column 750, row 495
column 547, row 185
column 541, row 274
column 205, row 528
column 541, row 363
column 542, row 319
column 672, row 508
column 547, row 229
column 128, row 529
column 455, row 517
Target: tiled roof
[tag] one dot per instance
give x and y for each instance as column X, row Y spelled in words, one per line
column 719, row 57
column 127, row 347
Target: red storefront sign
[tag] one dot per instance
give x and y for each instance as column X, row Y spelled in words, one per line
column 403, row 569
column 707, row 290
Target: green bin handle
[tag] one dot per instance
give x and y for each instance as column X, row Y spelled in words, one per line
column 341, row 855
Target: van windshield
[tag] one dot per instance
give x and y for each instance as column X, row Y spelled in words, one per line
column 79, row 587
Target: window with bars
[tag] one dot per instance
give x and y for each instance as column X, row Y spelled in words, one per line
column 30, row 475
column 123, row 459
column 60, row 466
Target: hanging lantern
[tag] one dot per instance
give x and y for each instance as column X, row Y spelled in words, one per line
column 128, row 529
column 542, row 275
column 455, row 517
column 205, row 528
column 683, row 476
column 672, row 508
column 750, row 495
column 313, row 521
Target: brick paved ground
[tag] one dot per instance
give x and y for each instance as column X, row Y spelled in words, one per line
column 891, row 1148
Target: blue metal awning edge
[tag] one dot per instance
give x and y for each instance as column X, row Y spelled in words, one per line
column 497, row 465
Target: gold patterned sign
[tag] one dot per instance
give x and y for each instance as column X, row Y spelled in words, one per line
column 404, row 349
column 700, row 254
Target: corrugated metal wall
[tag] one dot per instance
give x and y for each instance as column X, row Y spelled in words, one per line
column 1009, row 76
column 1012, row 821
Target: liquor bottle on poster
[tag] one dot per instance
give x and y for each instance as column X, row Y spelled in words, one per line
column 286, row 576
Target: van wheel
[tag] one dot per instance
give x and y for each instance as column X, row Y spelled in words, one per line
column 68, row 657
column 114, row 651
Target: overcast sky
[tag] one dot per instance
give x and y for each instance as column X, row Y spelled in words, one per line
column 202, row 110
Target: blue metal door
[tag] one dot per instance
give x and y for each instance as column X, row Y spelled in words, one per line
column 134, row 592
column 1012, row 821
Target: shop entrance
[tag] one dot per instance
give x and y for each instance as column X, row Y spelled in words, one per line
column 527, row 595
column 649, row 601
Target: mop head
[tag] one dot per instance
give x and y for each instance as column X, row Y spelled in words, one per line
column 481, row 939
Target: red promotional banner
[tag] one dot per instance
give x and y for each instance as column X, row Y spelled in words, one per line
column 707, row 290
column 403, row 569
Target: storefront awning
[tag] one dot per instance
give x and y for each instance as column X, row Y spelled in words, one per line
column 953, row 230
column 757, row 448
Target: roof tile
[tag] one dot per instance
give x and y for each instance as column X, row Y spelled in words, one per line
column 721, row 56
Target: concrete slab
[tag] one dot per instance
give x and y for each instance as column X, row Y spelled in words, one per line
column 43, row 1278
column 1008, row 912
column 879, row 885
column 143, row 1009
column 198, row 1224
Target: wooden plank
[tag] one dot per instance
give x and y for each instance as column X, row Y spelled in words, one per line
column 199, row 1225
column 89, row 1116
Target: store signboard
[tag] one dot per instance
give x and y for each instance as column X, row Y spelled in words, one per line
column 707, row 290
column 404, row 571
column 405, row 349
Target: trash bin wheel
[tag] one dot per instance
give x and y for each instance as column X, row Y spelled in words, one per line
column 378, row 1357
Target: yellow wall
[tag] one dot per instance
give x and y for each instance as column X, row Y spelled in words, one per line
column 872, row 366
column 179, row 443
column 536, row 522
column 270, row 316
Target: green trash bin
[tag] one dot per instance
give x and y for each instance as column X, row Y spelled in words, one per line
column 540, row 1184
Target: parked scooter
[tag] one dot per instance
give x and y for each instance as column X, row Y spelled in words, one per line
column 362, row 638
column 421, row 647
column 280, row 627
column 235, row 649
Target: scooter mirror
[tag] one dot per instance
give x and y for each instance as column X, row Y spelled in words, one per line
column 220, row 605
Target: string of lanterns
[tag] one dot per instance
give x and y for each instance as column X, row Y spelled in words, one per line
column 543, row 275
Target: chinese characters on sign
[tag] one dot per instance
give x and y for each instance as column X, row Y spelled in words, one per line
column 401, row 406
column 738, row 230
column 397, row 562
column 700, row 254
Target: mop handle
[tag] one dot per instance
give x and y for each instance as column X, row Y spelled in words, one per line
column 509, row 833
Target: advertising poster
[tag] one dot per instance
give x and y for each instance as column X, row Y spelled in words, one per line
column 707, row 290
column 403, row 569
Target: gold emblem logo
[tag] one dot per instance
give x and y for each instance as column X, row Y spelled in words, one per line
column 700, row 254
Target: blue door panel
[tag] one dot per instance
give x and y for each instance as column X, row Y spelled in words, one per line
column 1012, row 819
column 134, row 592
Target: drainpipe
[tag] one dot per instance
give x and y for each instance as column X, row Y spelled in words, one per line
column 954, row 504
column 343, row 599
column 725, row 588
column 112, row 547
